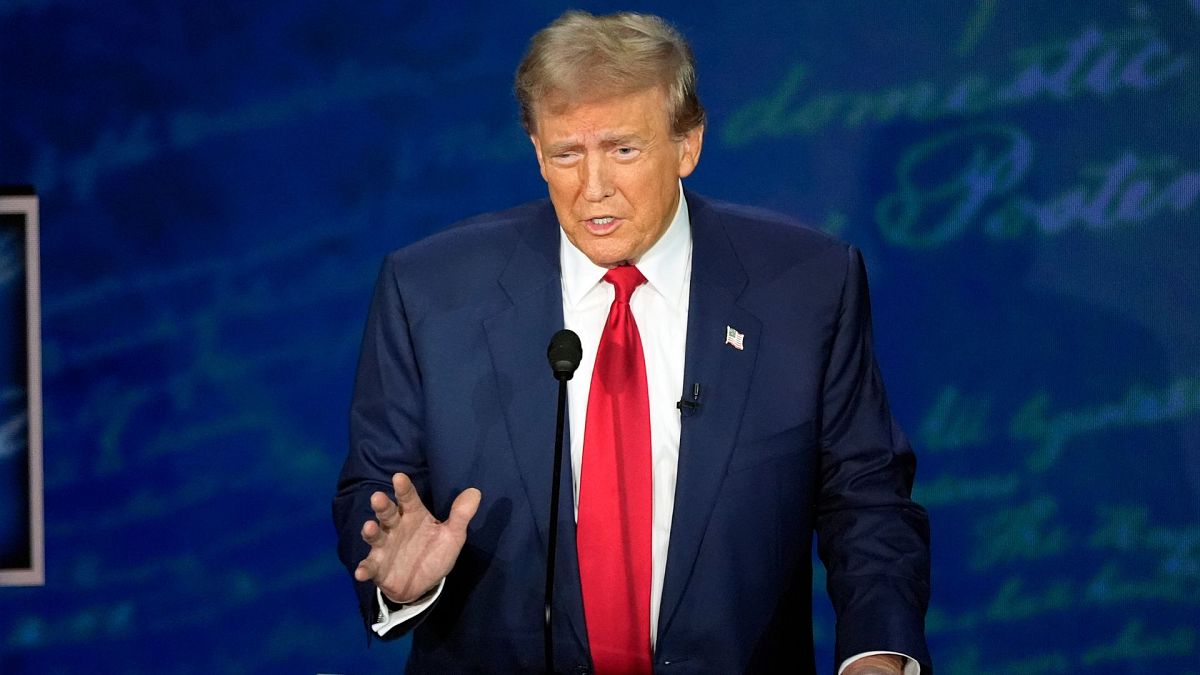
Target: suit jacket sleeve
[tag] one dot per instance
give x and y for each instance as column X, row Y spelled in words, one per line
column 872, row 538
column 385, row 430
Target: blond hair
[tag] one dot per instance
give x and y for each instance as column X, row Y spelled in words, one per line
column 582, row 55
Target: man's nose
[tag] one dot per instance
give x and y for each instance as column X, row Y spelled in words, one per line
column 597, row 183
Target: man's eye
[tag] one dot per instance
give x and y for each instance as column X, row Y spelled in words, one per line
column 626, row 151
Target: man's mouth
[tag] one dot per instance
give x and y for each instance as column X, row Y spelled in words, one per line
column 602, row 225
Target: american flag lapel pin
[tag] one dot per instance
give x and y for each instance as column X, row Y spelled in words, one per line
column 732, row 337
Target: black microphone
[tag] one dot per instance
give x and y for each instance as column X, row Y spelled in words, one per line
column 686, row 406
column 564, row 354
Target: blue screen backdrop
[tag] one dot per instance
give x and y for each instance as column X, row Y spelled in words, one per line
column 220, row 180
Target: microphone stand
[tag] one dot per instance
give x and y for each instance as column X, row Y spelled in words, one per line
column 564, row 354
column 552, row 544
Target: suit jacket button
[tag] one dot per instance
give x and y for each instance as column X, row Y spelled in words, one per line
column 582, row 670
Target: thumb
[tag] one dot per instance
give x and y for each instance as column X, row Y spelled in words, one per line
column 464, row 507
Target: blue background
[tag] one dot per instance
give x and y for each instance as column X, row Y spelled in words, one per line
column 220, row 181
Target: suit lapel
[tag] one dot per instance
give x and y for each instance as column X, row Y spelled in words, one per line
column 723, row 373
column 517, row 338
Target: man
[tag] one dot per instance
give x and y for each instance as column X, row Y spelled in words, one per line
column 702, row 512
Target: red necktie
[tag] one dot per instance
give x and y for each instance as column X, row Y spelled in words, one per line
column 613, row 530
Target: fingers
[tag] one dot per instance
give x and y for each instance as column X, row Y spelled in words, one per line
column 372, row 533
column 385, row 510
column 464, row 507
column 408, row 502
column 376, row 534
column 407, row 499
column 365, row 570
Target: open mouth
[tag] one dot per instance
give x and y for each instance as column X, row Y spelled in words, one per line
column 602, row 224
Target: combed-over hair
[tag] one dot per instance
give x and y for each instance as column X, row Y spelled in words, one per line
column 583, row 56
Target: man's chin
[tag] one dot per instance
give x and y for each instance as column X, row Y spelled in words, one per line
column 603, row 251
column 608, row 259
column 611, row 263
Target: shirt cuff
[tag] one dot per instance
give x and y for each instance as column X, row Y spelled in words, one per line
column 911, row 667
column 390, row 618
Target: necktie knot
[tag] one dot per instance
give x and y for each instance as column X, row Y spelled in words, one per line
column 625, row 279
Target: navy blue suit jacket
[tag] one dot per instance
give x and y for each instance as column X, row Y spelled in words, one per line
column 793, row 434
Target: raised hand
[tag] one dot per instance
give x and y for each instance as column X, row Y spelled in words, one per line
column 411, row 551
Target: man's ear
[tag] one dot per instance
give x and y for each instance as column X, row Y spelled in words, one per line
column 689, row 150
column 537, row 151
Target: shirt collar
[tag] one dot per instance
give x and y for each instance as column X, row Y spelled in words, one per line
column 665, row 265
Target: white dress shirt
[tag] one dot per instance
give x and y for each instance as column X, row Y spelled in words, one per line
column 660, row 308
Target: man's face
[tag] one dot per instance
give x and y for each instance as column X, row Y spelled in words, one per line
column 613, row 166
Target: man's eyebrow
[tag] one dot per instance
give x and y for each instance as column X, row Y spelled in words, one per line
column 562, row 146
column 622, row 139
column 615, row 139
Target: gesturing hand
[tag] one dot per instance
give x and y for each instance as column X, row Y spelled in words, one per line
column 411, row 551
